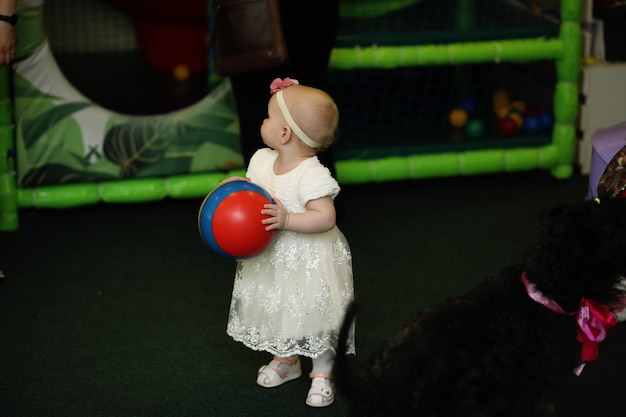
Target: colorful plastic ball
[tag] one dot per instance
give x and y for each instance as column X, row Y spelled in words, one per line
column 181, row 72
column 533, row 109
column 502, row 110
column 230, row 218
column 458, row 117
column 547, row 120
column 468, row 105
column 500, row 94
column 474, row 128
column 507, row 127
column 532, row 124
column 517, row 116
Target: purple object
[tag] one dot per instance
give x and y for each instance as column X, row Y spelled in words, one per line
column 605, row 143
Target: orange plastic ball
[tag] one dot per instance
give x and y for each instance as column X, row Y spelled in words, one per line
column 458, row 117
column 182, row 72
column 502, row 111
column 500, row 95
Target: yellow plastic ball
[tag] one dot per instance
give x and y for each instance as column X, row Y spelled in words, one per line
column 182, row 72
column 458, row 117
column 500, row 95
column 499, row 102
column 502, row 111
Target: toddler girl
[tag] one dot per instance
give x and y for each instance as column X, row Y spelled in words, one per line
column 290, row 300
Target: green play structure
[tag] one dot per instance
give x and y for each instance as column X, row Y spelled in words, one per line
column 62, row 150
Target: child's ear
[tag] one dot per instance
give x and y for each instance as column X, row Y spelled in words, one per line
column 286, row 134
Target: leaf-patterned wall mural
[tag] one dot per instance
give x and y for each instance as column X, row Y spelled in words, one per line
column 62, row 137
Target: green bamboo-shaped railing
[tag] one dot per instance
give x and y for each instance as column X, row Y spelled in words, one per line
column 557, row 156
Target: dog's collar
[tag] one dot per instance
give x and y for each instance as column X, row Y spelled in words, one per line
column 594, row 320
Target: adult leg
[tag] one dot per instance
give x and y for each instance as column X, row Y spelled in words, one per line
column 310, row 29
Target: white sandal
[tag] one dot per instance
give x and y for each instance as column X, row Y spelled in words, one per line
column 271, row 376
column 322, row 392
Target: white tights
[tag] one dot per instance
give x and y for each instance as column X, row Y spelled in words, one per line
column 324, row 362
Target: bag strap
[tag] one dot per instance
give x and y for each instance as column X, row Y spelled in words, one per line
column 213, row 77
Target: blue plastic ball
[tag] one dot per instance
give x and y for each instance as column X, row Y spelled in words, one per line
column 532, row 124
column 547, row 120
column 468, row 105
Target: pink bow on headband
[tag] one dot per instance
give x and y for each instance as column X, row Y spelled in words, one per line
column 279, row 84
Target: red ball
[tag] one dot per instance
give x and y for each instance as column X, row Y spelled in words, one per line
column 507, row 126
column 230, row 220
column 533, row 109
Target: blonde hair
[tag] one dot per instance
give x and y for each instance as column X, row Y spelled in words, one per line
column 314, row 111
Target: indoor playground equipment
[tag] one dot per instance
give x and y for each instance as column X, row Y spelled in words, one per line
column 399, row 70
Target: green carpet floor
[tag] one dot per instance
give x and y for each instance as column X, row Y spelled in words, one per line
column 120, row 310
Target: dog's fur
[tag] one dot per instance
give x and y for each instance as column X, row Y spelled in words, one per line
column 494, row 351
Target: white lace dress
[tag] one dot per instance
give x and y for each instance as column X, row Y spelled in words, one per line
column 290, row 300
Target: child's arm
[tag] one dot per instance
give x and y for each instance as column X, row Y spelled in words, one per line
column 319, row 217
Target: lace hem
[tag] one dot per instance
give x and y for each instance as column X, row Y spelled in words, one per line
column 290, row 348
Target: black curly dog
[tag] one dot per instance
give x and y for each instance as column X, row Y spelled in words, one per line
column 500, row 349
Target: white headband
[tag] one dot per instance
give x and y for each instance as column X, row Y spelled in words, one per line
column 292, row 123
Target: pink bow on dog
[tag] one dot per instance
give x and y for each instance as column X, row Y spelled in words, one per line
column 279, row 84
column 594, row 321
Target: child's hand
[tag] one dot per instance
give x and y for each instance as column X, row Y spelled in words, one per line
column 279, row 218
column 231, row 179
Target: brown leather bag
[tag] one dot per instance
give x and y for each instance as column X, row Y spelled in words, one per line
column 247, row 36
